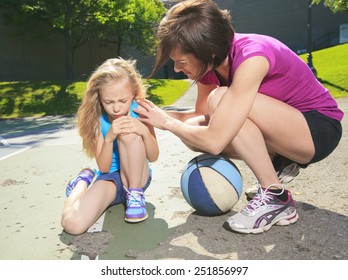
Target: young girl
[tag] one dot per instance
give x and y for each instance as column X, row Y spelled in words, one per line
column 120, row 143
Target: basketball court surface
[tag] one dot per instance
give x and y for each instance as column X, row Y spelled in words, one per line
column 39, row 156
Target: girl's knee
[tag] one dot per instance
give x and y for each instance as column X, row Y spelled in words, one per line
column 73, row 225
column 129, row 138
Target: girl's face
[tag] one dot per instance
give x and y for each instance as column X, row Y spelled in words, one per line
column 116, row 98
column 186, row 63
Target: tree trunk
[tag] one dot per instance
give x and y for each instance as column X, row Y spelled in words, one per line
column 119, row 44
column 69, row 55
column 69, row 42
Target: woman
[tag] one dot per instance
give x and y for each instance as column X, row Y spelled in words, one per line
column 257, row 101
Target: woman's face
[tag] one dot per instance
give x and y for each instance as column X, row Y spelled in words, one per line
column 186, row 63
column 116, row 98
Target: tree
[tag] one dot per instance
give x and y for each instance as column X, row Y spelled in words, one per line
column 110, row 22
column 129, row 22
column 334, row 5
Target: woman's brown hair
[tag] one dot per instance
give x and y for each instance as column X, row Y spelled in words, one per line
column 196, row 27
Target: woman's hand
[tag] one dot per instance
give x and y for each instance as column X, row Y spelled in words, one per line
column 151, row 114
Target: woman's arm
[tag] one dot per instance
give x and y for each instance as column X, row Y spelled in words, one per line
column 229, row 116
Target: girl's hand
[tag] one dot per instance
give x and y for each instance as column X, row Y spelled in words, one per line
column 151, row 114
column 118, row 126
column 125, row 125
column 132, row 125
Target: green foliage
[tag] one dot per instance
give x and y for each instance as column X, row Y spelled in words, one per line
column 20, row 99
column 334, row 5
column 59, row 15
column 23, row 99
column 129, row 21
column 121, row 22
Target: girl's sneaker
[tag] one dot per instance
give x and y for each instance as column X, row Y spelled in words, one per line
column 263, row 211
column 86, row 174
column 135, row 206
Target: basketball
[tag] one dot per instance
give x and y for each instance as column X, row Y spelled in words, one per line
column 211, row 184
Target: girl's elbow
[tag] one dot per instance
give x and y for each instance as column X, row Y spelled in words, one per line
column 104, row 169
column 153, row 157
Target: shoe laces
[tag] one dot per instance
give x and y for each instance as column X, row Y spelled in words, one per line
column 262, row 197
column 134, row 198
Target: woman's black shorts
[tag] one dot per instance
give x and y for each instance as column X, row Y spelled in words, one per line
column 326, row 133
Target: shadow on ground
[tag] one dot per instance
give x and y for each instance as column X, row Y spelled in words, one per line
column 31, row 126
column 118, row 238
column 318, row 235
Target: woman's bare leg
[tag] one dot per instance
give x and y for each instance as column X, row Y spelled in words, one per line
column 272, row 127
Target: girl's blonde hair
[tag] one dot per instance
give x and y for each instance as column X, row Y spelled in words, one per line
column 114, row 69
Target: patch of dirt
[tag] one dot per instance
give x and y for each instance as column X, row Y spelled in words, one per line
column 91, row 244
column 11, row 182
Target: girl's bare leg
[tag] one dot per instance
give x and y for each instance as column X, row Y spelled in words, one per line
column 134, row 174
column 134, row 168
column 84, row 206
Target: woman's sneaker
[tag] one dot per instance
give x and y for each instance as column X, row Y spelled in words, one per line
column 135, row 206
column 263, row 211
column 86, row 174
column 286, row 171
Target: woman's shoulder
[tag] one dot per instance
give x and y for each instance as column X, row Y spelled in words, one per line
column 246, row 46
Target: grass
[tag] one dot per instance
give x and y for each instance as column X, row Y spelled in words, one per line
column 332, row 69
column 166, row 92
column 23, row 99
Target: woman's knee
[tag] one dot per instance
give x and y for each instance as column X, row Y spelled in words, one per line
column 215, row 97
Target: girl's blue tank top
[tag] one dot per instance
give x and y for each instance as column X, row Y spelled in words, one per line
column 105, row 126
